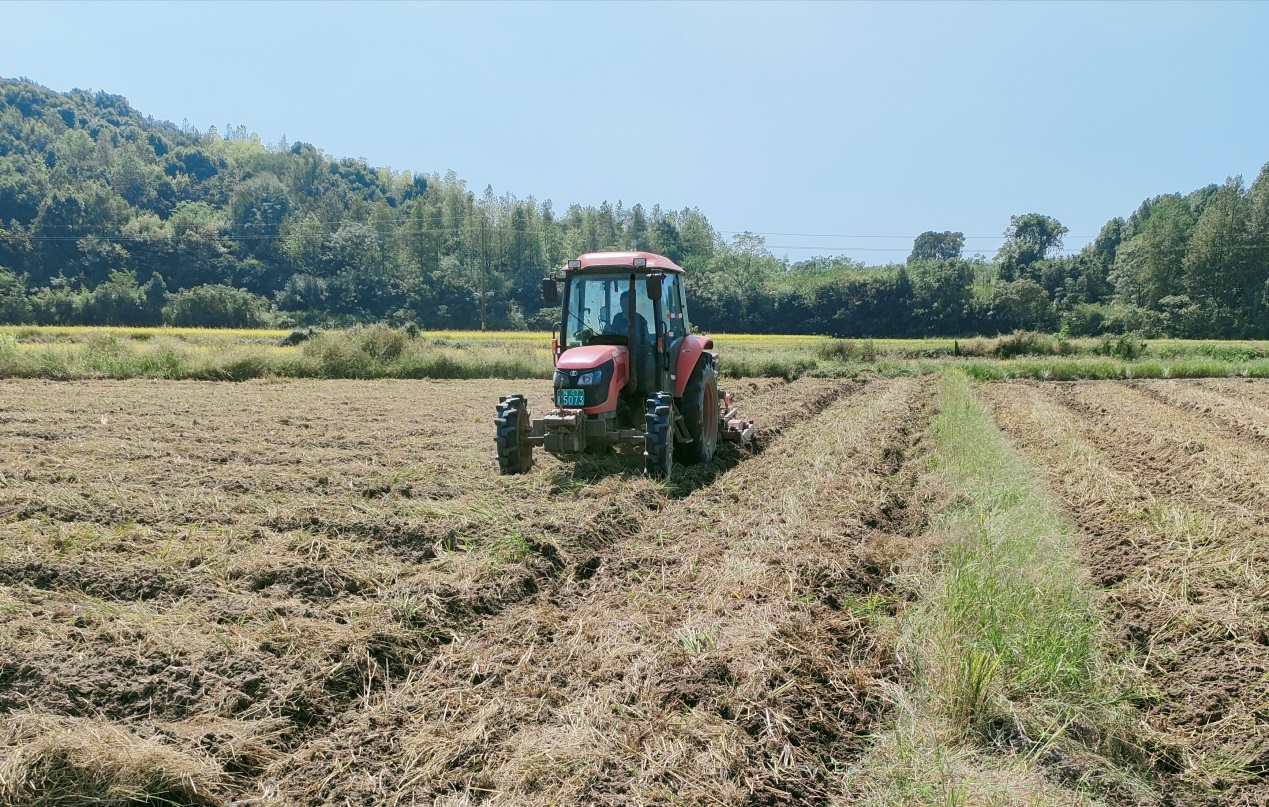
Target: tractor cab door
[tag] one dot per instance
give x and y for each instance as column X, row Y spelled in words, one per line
column 673, row 308
column 673, row 325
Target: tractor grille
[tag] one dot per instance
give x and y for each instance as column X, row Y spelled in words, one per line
column 596, row 394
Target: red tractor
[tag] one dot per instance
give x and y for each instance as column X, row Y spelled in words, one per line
column 628, row 371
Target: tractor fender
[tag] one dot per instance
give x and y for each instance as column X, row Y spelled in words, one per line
column 690, row 351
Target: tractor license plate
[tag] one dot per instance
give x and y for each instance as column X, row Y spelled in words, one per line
column 570, row 398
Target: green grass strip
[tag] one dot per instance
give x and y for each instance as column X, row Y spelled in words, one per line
column 1008, row 682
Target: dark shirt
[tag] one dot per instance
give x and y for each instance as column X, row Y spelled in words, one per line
column 619, row 326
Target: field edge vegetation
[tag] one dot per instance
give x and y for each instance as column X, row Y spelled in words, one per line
column 379, row 351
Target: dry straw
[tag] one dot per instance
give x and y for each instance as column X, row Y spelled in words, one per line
column 68, row 761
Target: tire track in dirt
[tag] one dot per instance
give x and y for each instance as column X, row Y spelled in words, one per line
column 1184, row 575
column 1232, row 414
column 706, row 660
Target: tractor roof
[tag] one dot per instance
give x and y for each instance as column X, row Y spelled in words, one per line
column 625, row 260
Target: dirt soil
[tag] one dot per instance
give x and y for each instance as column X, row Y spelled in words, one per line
column 324, row 593
column 1168, row 482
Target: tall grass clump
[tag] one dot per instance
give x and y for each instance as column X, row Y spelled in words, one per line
column 9, row 357
column 1003, row 644
column 765, row 365
column 855, row 350
column 1125, row 346
column 1027, row 343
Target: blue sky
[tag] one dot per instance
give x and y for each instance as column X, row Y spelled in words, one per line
column 831, row 128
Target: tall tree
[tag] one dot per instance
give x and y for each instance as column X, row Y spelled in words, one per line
column 932, row 246
column 1258, row 253
column 1148, row 267
column 1029, row 238
column 1216, row 264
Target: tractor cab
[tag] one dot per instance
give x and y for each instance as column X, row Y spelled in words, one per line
column 637, row 308
column 627, row 370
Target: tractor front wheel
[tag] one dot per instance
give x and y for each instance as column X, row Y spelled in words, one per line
column 658, row 441
column 701, row 413
column 515, row 455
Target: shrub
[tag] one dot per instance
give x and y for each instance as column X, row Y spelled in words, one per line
column 335, row 356
column 214, row 307
column 1026, row 343
column 381, row 343
column 299, row 336
column 1232, row 352
column 1125, row 346
column 849, row 350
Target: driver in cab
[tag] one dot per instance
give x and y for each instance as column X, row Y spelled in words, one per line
column 620, row 324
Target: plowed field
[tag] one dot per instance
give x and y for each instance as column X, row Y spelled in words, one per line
column 1169, row 482
column 324, row 593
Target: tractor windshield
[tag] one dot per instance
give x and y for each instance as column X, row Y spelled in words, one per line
column 598, row 311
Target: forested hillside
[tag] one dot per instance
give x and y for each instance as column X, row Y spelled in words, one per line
column 110, row 217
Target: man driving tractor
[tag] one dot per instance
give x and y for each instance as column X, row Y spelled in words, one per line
column 621, row 323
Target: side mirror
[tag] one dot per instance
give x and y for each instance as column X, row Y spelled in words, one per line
column 550, row 290
column 654, row 286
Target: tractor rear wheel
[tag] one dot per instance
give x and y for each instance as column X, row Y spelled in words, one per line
column 658, row 441
column 699, row 406
column 515, row 455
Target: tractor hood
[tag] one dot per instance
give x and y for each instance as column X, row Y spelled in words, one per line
column 588, row 357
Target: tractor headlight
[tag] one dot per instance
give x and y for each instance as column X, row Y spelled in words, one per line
column 590, row 379
column 561, row 378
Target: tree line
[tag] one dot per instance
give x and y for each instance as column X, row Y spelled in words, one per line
column 110, row 217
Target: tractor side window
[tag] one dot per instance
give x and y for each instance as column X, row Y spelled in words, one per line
column 672, row 302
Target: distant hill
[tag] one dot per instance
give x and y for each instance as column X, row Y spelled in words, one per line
column 110, row 217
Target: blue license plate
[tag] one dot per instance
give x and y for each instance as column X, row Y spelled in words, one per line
column 570, row 398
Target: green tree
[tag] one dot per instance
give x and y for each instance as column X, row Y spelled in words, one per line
column 1021, row 304
column 942, row 297
column 1029, row 238
column 1217, row 263
column 1258, row 253
column 75, row 157
column 23, row 185
column 932, row 246
column 15, row 308
column 256, row 212
column 302, row 242
column 200, row 246
column 1148, row 267
column 118, row 301
column 637, row 236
